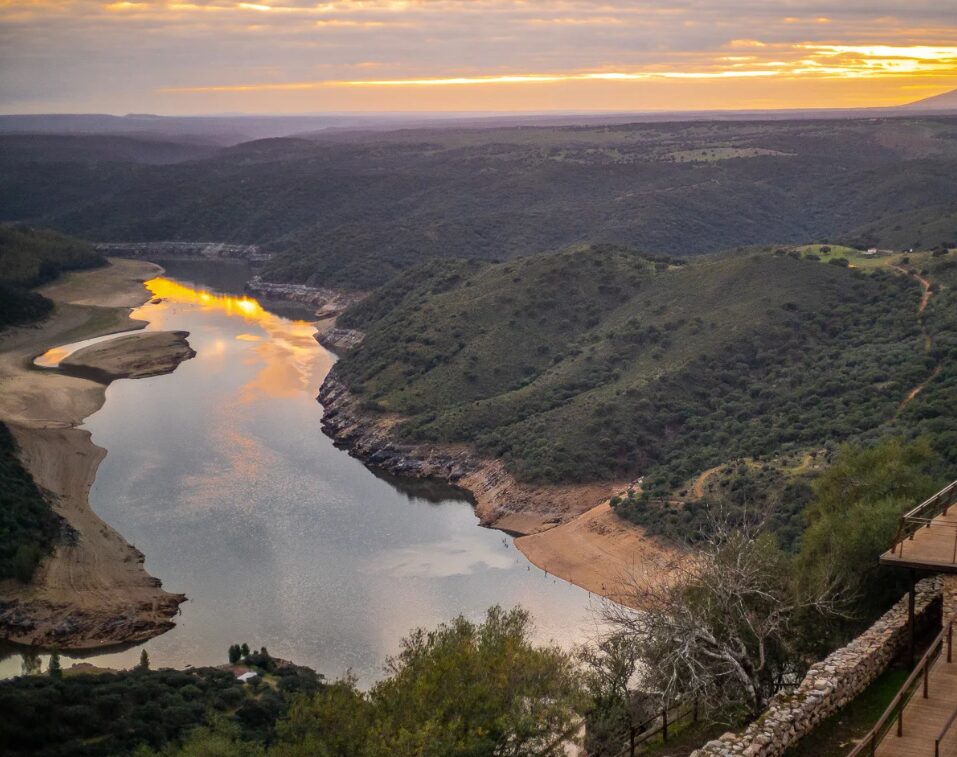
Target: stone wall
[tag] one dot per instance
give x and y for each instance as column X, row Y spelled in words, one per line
column 949, row 610
column 831, row 683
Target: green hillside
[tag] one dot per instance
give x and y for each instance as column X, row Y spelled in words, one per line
column 28, row 525
column 598, row 363
column 352, row 209
column 31, row 257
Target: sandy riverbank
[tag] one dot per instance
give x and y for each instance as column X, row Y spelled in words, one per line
column 597, row 550
column 93, row 591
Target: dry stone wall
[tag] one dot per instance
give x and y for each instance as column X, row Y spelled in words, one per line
column 949, row 610
column 831, row 683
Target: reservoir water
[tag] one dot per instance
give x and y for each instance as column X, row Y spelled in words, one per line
column 220, row 474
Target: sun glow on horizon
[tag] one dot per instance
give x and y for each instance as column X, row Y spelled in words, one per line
column 807, row 61
column 278, row 56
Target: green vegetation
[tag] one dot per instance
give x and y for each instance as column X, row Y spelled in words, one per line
column 19, row 305
column 461, row 689
column 601, row 364
column 930, row 412
column 855, row 512
column 117, row 713
column 28, row 525
column 352, row 210
column 741, row 489
column 29, row 258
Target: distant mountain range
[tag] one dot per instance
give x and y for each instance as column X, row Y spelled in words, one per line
column 232, row 129
column 945, row 101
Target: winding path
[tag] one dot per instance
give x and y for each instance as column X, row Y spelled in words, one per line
column 926, row 294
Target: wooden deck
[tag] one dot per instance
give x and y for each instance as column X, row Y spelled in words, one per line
column 925, row 718
column 932, row 546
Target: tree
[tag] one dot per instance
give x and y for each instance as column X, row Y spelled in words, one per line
column 336, row 721
column 234, row 653
column 854, row 514
column 31, row 664
column 244, row 650
column 223, row 738
column 53, row 669
column 714, row 625
column 467, row 688
column 616, row 707
column 144, row 661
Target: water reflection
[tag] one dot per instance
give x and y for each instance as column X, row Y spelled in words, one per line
column 220, row 474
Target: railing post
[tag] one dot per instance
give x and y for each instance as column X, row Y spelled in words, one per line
column 631, row 741
column 925, row 680
column 664, row 724
column 900, row 718
column 696, row 709
column 950, row 639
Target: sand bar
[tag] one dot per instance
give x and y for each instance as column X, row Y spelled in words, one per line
column 93, row 590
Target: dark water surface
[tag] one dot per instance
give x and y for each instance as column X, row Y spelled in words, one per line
column 221, row 475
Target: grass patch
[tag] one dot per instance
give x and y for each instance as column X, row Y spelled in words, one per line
column 838, row 733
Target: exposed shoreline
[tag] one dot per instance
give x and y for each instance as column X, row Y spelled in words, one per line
column 570, row 531
column 93, row 591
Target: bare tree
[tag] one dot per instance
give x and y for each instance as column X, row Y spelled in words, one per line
column 714, row 623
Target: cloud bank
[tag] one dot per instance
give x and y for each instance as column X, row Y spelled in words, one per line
column 295, row 56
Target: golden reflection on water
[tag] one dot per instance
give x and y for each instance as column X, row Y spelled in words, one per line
column 288, row 352
column 246, row 307
column 52, row 357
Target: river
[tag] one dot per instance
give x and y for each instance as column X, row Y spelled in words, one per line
column 220, row 474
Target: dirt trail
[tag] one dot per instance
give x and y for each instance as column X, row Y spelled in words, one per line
column 697, row 488
column 924, row 283
column 926, row 294
column 93, row 591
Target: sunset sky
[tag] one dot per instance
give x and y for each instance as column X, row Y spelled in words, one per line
column 300, row 56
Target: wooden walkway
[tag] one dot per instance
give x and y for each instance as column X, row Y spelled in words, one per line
column 924, row 719
column 932, row 546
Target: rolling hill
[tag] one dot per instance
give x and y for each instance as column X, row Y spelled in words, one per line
column 352, row 209
column 598, row 363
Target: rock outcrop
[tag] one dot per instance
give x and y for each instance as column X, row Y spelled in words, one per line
column 500, row 500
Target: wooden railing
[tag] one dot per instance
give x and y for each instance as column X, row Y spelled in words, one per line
column 658, row 724
column 895, row 709
column 923, row 515
column 943, row 732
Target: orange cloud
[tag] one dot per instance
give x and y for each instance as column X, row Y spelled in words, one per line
column 810, row 61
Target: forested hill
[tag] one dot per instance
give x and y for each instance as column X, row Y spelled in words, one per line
column 598, row 363
column 354, row 209
column 31, row 257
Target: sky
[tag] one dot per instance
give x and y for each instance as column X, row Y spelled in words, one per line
column 302, row 56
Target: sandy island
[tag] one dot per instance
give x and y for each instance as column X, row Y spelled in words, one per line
column 93, row 590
